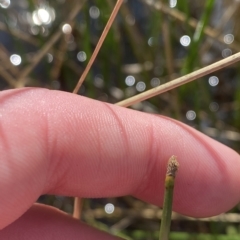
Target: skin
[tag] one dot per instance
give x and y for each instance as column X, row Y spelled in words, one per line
column 54, row 142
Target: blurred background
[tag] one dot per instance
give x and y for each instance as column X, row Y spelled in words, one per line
column 48, row 44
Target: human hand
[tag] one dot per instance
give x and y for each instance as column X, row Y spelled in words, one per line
column 54, row 142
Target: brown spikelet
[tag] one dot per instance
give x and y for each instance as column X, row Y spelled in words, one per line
column 173, row 166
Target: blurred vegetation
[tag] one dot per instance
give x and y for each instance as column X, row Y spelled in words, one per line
column 48, row 44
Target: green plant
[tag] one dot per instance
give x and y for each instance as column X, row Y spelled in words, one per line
column 147, row 49
column 168, row 198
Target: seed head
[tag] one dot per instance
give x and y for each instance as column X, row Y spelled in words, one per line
column 173, row 166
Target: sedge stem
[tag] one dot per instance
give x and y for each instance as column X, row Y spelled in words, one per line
column 168, row 198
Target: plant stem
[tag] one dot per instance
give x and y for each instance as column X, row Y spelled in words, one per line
column 180, row 81
column 168, row 198
column 99, row 45
column 78, row 202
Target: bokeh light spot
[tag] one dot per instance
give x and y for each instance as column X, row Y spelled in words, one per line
column 191, row 115
column 172, row 3
column 213, row 81
column 5, row 3
column 226, row 52
column 15, row 59
column 49, row 57
column 98, row 81
column 109, row 208
column 185, row 41
column 82, row 56
column 228, row 38
column 214, row 106
column 155, row 82
column 94, row 12
column 43, row 16
column 141, row 86
column 66, row 28
column 151, row 41
column 34, row 30
column 130, row 81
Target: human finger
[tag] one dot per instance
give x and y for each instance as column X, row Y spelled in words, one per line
column 60, row 143
column 48, row 223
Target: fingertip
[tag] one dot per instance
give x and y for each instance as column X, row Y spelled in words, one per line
column 207, row 180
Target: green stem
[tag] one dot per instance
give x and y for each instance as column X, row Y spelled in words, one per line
column 168, row 198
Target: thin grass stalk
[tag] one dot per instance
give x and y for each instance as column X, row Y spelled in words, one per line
column 169, row 64
column 115, row 26
column 168, row 198
column 77, row 207
column 135, row 38
column 55, row 71
column 198, row 36
column 99, row 44
column 180, row 81
column 78, row 202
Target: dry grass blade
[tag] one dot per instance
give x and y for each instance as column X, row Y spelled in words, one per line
column 78, row 201
column 77, row 208
column 180, row 81
column 24, row 73
column 99, row 44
